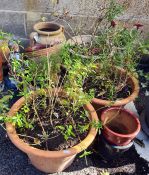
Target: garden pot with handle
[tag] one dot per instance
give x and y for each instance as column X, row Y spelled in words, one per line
column 48, row 34
column 50, row 161
column 47, row 39
column 120, row 126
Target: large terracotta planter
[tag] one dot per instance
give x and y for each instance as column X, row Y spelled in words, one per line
column 50, row 161
column 100, row 104
column 47, row 33
column 120, row 126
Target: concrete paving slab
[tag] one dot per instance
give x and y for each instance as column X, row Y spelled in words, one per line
column 142, row 151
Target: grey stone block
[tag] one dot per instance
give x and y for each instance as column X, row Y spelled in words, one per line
column 26, row 5
column 79, row 7
column 13, row 23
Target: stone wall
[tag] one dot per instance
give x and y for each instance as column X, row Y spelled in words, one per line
column 18, row 16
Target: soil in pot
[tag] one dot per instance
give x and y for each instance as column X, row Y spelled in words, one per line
column 62, row 118
column 114, row 87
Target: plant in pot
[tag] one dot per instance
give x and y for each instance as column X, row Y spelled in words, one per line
column 105, row 81
column 114, row 79
column 117, row 61
column 49, row 124
column 113, row 82
column 87, row 46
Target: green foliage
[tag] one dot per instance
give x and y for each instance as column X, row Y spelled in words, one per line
column 118, row 47
column 96, row 124
column 113, row 10
column 31, row 75
column 83, row 128
column 85, row 153
column 4, row 103
column 5, row 35
column 67, row 131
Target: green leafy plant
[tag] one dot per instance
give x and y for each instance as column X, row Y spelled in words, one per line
column 114, row 9
column 48, row 115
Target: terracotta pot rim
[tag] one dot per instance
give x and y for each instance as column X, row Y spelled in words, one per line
column 121, row 102
column 11, row 131
column 37, row 28
column 135, row 118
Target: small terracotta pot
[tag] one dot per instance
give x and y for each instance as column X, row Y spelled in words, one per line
column 120, row 126
column 47, row 33
column 101, row 105
column 50, row 161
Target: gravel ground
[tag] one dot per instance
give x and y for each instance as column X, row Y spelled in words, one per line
column 14, row 162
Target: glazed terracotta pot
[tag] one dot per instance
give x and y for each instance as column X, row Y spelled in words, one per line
column 120, row 126
column 101, row 105
column 47, row 33
column 50, row 161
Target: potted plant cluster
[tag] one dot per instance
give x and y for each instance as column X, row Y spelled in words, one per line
column 105, row 65
column 56, row 117
column 112, row 74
